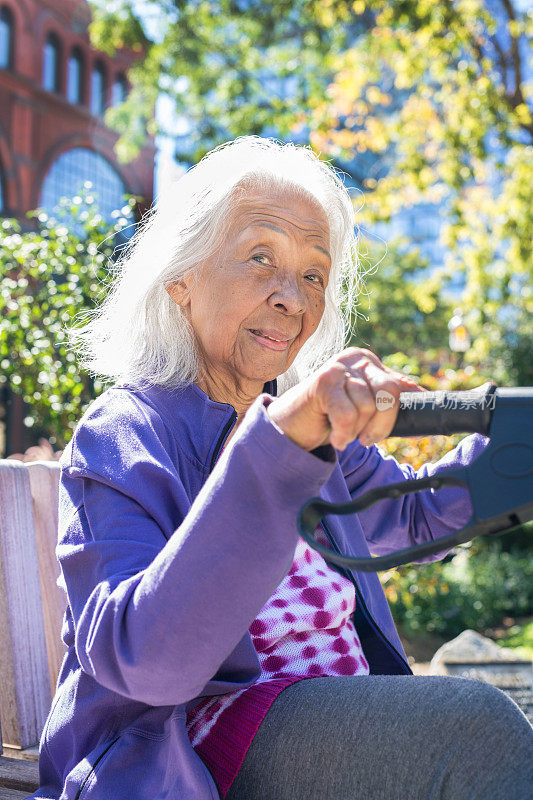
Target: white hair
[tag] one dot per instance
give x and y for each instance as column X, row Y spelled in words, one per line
column 140, row 336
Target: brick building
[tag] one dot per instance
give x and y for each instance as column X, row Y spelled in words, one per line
column 54, row 89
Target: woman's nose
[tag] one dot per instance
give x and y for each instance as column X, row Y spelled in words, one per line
column 288, row 298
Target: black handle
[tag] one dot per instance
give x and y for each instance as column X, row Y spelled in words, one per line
column 442, row 412
column 499, row 480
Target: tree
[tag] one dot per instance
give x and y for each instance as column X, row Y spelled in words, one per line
column 47, row 277
column 419, row 101
column 230, row 66
column 461, row 138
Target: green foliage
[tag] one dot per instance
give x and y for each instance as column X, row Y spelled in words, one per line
column 224, row 64
column 400, row 304
column 519, row 637
column 475, row 589
column 47, row 277
column 428, row 90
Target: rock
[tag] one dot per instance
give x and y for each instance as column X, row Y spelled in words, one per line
column 470, row 647
column 471, row 655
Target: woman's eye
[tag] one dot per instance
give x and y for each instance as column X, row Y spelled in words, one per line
column 315, row 278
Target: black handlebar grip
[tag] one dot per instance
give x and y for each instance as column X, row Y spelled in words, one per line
column 442, row 412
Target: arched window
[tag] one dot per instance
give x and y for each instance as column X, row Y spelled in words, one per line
column 119, row 90
column 52, row 64
column 72, row 169
column 98, row 90
column 75, row 77
column 7, row 37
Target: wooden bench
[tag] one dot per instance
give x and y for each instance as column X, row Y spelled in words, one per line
column 18, row 778
column 31, row 615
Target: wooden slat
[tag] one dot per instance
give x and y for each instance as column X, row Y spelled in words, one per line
column 16, row 774
column 44, row 487
column 28, row 754
column 12, row 794
column 24, row 675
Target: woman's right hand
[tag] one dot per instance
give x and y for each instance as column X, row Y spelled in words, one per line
column 354, row 395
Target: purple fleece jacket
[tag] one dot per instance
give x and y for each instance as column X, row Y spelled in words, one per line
column 167, row 557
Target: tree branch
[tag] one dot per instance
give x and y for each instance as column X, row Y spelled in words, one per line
column 515, row 54
column 515, row 98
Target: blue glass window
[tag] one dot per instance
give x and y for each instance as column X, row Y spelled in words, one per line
column 119, row 90
column 98, row 90
column 75, row 77
column 71, row 170
column 51, row 64
column 7, row 29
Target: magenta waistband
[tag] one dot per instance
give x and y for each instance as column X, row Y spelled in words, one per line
column 225, row 746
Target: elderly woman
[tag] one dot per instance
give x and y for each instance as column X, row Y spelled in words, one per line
column 210, row 652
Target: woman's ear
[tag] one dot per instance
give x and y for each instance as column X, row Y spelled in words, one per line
column 178, row 291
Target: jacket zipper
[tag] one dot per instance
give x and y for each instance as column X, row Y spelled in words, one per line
column 361, row 600
column 82, row 787
column 227, row 427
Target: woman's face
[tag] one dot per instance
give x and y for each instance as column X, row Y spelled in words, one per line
column 254, row 304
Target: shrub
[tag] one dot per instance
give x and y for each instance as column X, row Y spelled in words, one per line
column 47, row 277
column 473, row 589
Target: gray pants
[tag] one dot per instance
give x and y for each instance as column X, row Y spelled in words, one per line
column 389, row 737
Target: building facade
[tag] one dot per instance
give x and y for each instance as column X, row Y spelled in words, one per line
column 54, row 90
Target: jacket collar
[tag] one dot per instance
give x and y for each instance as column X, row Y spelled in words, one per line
column 198, row 423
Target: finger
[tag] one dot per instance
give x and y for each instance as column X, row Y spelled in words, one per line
column 361, row 394
column 386, row 390
column 407, row 379
column 353, row 357
column 356, row 356
column 407, row 382
column 347, row 410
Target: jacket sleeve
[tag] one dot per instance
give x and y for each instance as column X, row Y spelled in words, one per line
column 415, row 518
column 155, row 615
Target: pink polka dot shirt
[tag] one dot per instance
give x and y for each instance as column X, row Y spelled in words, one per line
column 303, row 631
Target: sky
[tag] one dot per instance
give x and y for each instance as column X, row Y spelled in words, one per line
column 166, row 168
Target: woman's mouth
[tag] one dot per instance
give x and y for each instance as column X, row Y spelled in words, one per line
column 269, row 341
